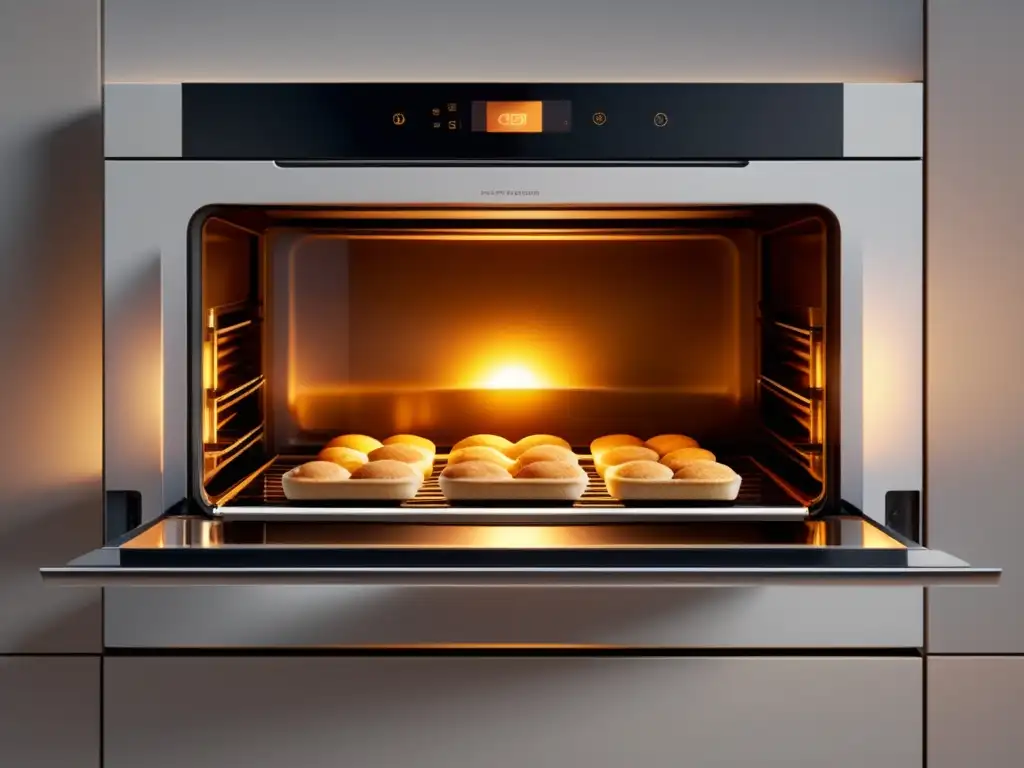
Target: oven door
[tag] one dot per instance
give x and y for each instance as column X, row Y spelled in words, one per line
column 189, row 551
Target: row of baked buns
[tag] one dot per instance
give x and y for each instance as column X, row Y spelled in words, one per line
column 360, row 467
column 492, row 468
column 489, row 467
column 667, row 467
column 554, row 453
column 507, row 447
column 361, row 455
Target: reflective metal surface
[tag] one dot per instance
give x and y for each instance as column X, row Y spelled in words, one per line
column 180, row 551
column 513, row 515
column 204, row 534
column 190, row 551
column 92, row 571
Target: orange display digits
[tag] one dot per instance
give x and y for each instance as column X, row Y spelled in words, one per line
column 515, row 116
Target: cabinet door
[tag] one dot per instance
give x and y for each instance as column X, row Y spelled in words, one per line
column 468, row 712
column 974, row 712
column 49, row 712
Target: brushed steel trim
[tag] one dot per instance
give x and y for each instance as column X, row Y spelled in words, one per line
column 508, row 515
column 520, row 577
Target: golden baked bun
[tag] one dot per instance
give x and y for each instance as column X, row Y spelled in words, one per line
column 386, row 469
column 475, row 470
column 640, row 470
column 491, row 441
column 419, row 442
column 532, row 441
column 665, row 444
column 320, row 472
column 361, row 443
column 704, row 470
column 682, row 456
column 543, row 453
column 602, row 444
column 349, row 458
column 410, row 454
column 480, row 453
column 550, row 470
column 622, row 454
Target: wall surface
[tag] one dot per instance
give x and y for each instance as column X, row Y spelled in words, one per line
column 51, row 189
column 975, row 345
column 975, row 354
column 50, row 312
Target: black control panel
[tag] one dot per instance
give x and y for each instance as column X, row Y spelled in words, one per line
column 504, row 122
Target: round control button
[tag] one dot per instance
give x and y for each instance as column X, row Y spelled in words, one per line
column 398, row 118
column 600, row 118
column 661, row 120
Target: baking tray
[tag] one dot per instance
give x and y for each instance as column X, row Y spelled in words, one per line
column 760, row 499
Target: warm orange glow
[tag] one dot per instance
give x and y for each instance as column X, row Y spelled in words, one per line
column 533, row 235
column 513, row 376
column 520, row 537
column 209, row 384
column 516, row 212
column 876, row 539
column 817, row 371
column 515, row 116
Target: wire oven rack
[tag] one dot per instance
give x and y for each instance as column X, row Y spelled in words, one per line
column 760, row 498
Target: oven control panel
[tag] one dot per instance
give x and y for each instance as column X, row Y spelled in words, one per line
column 503, row 122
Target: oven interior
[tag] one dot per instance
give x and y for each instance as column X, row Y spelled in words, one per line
column 716, row 322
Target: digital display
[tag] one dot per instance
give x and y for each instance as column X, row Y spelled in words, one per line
column 515, row 116
column 521, row 116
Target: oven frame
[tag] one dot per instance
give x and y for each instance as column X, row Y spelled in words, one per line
column 875, row 190
column 396, row 218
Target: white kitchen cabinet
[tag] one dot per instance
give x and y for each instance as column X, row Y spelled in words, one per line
column 396, row 712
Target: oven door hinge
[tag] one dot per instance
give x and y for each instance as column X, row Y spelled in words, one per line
column 122, row 513
column 903, row 513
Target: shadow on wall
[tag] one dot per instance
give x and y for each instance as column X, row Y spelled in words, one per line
column 51, row 401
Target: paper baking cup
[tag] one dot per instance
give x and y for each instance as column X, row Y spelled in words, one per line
column 530, row 489
column 631, row 489
column 349, row 490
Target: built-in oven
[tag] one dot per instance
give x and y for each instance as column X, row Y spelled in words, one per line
column 474, row 335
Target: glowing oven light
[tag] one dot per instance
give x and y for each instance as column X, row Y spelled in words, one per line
column 513, row 377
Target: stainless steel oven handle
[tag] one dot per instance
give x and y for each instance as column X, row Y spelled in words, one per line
column 521, row 577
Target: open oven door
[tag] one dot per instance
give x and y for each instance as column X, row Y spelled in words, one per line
column 182, row 550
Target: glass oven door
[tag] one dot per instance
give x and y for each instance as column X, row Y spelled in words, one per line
column 186, row 551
